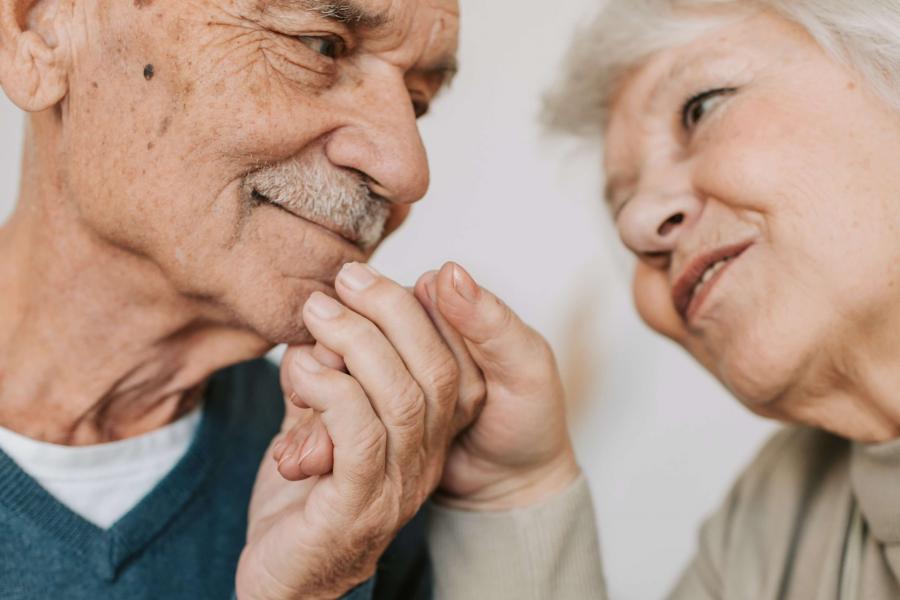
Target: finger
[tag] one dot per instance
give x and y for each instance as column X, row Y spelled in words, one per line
column 507, row 350
column 359, row 438
column 406, row 324
column 328, row 357
column 472, row 390
column 294, row 406
column 374, row 363
column 308, row 453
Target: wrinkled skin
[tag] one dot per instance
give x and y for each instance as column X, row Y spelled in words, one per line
column 134, row 246
column 232, row 89
column 798, row 159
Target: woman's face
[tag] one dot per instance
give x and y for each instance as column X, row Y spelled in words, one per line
column 758, row 182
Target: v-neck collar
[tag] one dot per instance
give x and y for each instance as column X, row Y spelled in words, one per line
column 105, row 551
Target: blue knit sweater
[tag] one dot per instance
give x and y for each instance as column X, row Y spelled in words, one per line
column 183, row 540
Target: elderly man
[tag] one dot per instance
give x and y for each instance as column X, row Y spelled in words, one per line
column 196, row 174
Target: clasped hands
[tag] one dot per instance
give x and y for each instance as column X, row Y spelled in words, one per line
column 441, row 388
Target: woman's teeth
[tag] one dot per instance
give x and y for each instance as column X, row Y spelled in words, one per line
column 709, row 274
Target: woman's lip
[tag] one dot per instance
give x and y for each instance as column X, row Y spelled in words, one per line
column 686, row 302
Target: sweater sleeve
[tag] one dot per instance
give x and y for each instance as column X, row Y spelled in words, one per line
column 546, row 551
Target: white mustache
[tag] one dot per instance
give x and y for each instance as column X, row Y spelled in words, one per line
column 313, row 189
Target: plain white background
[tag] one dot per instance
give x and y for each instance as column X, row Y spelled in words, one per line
column 660, row 440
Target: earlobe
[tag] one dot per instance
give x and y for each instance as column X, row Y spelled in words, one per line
column 32, row 69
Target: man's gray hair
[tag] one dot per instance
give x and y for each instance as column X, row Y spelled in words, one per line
column 861, row 34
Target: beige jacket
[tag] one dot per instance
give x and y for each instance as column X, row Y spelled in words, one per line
column 813, row 517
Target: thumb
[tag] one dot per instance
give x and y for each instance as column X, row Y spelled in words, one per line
column 508, row 351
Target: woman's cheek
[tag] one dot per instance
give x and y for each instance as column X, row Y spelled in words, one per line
column 653, row 301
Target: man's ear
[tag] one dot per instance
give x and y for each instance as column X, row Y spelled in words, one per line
column 33, row 61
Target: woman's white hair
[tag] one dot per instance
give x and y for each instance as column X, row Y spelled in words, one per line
column 862, row 34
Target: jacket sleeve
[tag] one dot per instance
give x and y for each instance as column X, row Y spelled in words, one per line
column 546, row 551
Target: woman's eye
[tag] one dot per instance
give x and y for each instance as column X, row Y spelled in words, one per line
column 329, row 46
column 696, row 108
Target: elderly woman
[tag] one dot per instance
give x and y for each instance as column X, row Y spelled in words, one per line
column 751, row 157
column 751, row 152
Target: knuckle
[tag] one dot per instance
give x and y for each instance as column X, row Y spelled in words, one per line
column 442, row 380
column 407, row 406
column 371, row 443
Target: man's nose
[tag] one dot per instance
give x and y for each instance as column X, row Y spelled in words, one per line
column 381, row 140
column 652, row 221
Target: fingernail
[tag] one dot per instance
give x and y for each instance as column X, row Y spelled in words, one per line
column 308, row 447
column 324, row 307
column 308, row 363
column 277, row 448
column 288, row 455
column 357, row 276
column 464, row 285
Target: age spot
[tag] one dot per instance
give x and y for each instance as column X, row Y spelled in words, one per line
column 164, row 126
column 149, row 71
column 142, row 3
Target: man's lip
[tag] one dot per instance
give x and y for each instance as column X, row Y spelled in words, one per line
column 682, row 291
column 259, row 197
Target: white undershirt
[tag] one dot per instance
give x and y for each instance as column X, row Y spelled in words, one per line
column 103, row 482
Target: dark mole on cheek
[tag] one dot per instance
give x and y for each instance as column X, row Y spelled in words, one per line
column 142, row 3
column 149, row 72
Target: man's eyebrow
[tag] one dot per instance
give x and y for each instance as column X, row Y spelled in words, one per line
column 345, row 12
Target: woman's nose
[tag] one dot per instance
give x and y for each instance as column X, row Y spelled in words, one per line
column 651, row 223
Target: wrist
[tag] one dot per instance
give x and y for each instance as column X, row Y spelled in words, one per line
column 519, row 488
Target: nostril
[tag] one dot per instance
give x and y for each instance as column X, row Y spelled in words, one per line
column 670, row 224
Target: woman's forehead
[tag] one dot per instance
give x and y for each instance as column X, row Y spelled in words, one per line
column 729, row 52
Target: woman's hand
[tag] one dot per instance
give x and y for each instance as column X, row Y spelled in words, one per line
column 385, row 391
column 518, row 451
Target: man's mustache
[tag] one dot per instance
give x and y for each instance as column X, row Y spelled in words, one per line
column 311, row 188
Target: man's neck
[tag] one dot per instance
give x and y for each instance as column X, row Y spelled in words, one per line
column 95, row 345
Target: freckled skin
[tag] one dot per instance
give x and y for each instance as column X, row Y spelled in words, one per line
column 225, row 88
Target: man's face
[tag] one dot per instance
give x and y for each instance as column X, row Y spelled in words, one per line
column 249, row 148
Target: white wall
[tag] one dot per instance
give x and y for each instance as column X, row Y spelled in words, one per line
column 659, row 440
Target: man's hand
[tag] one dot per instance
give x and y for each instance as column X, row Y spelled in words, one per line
column 387, row 400
column 518, row 452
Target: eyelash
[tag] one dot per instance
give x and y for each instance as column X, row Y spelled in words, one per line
column 340, row 46
column 687, row 110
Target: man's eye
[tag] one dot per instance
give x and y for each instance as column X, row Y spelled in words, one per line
column 696, row 108
column 329, row 45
